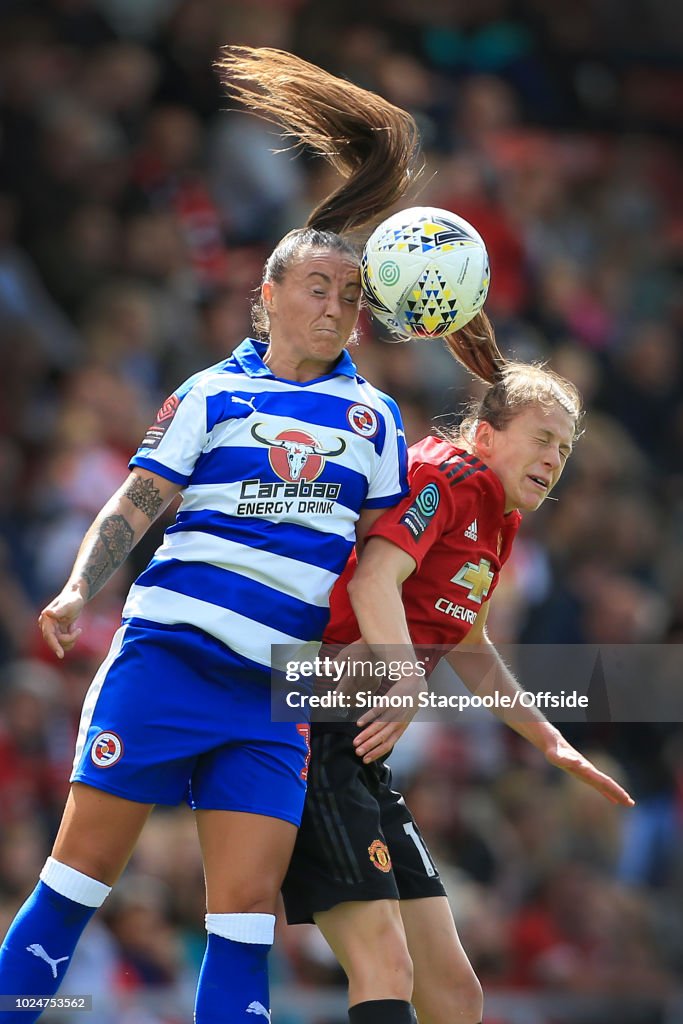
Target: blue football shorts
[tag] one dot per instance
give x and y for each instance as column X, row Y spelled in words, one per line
column 173, row 714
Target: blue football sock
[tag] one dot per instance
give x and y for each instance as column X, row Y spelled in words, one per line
column 40, row 942
column 233, row 983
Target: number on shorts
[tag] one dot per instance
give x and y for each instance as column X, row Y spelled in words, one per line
column 409, row 829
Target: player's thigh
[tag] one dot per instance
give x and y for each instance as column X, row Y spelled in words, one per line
column 369, row 941
column 261, row 770
column 245, row 859
column 445, row 987
column 340, row 854
column 98, row 832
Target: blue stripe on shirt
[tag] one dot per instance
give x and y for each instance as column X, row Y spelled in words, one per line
column 311, row 547
column 320, row 410
column 160, row 469
column 200, row 644
column 235, row 592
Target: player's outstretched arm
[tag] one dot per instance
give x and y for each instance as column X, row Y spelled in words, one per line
column 563, row 755
column 117, row 529
column 484, row 672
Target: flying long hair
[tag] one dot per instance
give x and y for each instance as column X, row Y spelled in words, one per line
column 475, row 346
column 370, row 142
column 512, row 386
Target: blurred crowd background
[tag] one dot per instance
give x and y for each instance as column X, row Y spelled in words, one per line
column 135, row 215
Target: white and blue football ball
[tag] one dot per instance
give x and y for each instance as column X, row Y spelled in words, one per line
column 425, row 273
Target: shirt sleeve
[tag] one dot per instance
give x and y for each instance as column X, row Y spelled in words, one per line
column 433, row 506
column 175, row 440
column 389, row 482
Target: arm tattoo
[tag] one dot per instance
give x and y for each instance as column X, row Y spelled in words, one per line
column 109, row 550
column 145, row 496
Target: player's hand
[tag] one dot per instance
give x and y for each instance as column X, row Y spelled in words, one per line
column 383, row 727
column 563, row 755
column 377, row 739
column 57, row 621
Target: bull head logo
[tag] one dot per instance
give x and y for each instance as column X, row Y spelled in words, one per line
column 302, row 451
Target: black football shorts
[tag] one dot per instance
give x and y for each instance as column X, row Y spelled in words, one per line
column 357, row 840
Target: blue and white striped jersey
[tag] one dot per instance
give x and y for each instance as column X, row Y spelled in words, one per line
column 275, row 474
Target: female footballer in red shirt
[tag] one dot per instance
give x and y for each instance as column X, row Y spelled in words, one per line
column 426, row 575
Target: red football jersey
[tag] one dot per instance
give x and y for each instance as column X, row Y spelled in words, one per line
column 453, row 524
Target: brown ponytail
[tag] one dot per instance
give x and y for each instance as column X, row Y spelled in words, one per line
column 373, row 144
column 513, row 386
column 475, row 346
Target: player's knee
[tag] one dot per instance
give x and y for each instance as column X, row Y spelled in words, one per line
column 389, row 977
column 259, row 903
column 385, row 965
column 470, row 1001
column 460, row 998
column 252, row 897
column 401, row 966
column 97, row 864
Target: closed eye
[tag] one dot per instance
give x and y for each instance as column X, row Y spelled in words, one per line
column 565, row 451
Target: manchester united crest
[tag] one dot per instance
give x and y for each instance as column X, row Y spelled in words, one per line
column 379, row 855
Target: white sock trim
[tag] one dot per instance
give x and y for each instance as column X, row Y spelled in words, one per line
column 257, row 928
column 74, row 884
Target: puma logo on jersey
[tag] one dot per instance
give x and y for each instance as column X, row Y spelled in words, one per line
column 259, row 1009
column 246, row 401
column 471, row 531
column 38, row 951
